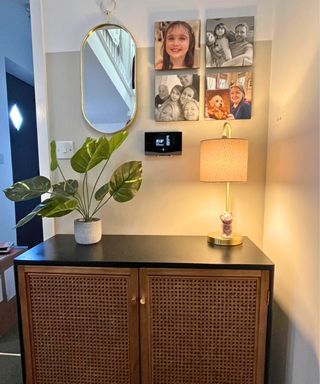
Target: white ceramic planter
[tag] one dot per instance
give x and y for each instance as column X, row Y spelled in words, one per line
column 87, row 232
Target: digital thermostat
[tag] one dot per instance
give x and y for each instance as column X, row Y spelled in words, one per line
column 163, row 143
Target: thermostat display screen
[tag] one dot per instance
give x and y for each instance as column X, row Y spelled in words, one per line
column 163, row 143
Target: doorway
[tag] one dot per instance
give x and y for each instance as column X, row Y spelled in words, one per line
column 24, row 153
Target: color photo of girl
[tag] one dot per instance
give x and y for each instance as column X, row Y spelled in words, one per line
column 177, row 44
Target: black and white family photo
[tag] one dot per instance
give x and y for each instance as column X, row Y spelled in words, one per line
column 177, row 97
column 177, row 44
column 229, row 42
column 228, row 96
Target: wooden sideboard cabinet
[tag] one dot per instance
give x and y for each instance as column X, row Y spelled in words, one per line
column 144, row 309
column 8, row 305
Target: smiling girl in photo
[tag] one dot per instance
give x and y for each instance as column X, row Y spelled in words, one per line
column 175, row 109
column 178, row 47
column 221, row 44
column 188, row 93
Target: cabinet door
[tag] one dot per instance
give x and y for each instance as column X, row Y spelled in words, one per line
column 203, row 326
column 80, row 325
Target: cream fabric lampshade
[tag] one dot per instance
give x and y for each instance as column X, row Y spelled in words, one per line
column 223, row 160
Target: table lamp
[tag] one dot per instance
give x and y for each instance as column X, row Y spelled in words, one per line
column 224, row 160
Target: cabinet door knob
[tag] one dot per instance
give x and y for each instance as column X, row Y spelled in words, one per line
column 133, row 299
column 143, row 300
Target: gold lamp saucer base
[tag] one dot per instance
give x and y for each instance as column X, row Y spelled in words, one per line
column 215, row 238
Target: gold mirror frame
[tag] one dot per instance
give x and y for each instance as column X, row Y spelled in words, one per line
column 128, row 122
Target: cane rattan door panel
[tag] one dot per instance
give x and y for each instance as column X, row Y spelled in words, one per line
column 203, row 326
column 80, row 325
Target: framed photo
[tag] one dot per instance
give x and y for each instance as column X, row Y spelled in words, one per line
column 177, row 44
column 229, row 42
column 217, row 104
column 177, row 97
column 228, row 96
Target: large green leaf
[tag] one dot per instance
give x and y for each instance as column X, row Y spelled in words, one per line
column 101, row 192
column 57, row 207
column 116, row 140
column 49, row 208
column 68, row 187
column 53, row 153
column 29, row 216
column 125, row 181
column 90, row 154
column 28, row 189
column 88, row 140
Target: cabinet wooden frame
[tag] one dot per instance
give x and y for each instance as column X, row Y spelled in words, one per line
column 139, row 307
column 146, row 331
column 24, row 272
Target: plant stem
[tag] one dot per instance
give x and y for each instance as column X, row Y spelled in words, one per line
column 80, row 203
column 95, row 184
column 84, row 196
column 61, row 173
column 87, row 192
column 99, row 206
column 82, row 208
column 79, row 210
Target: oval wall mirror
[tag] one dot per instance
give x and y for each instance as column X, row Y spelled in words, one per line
column 108, row 78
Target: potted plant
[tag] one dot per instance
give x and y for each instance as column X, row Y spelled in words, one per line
column 70, row 195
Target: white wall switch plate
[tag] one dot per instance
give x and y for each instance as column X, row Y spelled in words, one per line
column 65, row 149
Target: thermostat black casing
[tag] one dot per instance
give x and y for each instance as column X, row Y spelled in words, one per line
column 163, row 143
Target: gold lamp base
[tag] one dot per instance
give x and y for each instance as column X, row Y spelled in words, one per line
column 215, row 238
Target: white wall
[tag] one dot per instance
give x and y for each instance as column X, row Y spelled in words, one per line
column 171, row 199
column 15, row 45
column 291, row 228
column 77, row 17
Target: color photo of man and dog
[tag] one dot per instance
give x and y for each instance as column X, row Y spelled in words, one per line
column 229, row 42
column 228, row 96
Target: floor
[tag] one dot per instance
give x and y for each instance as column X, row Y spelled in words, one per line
column 10, row 363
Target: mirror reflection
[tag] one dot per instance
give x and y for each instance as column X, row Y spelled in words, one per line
column 108, row 78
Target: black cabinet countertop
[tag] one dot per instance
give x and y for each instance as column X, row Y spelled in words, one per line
column 146, row 251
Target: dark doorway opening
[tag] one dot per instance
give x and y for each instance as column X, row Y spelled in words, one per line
column 24, row 153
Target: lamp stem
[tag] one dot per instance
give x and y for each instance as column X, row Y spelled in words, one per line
column 227, row 135
column 227, row 196
column 226, row 130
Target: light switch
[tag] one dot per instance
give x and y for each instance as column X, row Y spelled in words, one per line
column 65, row 149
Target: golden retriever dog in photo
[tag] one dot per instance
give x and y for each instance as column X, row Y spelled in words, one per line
column 216, row 109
